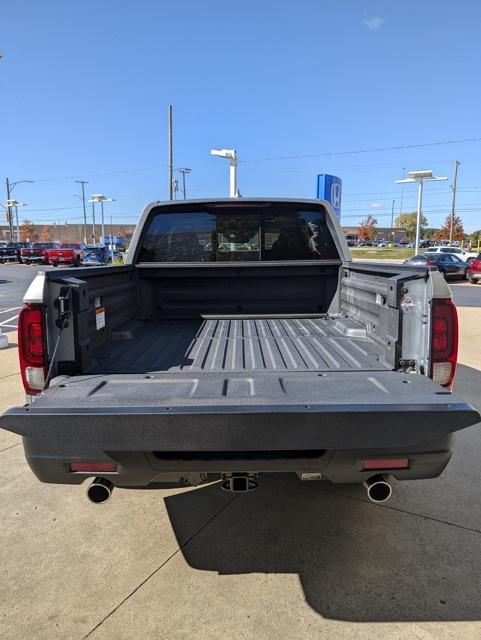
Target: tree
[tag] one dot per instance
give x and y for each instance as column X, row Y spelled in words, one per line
column 444, row 232
column 367, row 228
column 45, row 234
column 407, row 221
column 27, row 231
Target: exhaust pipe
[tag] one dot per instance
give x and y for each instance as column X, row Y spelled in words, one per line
column 378, row 489
column 100, row 490
column 239, row 482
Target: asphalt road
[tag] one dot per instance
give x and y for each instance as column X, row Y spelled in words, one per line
column 15, row 278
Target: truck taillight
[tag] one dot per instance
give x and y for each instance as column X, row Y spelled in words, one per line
column 31, row 348
column 444, row 342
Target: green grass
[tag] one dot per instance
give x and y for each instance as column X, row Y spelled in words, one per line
column 381, row 254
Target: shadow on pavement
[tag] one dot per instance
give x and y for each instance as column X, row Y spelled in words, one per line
column 356, row 561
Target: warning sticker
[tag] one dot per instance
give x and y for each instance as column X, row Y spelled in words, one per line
column 100, row 318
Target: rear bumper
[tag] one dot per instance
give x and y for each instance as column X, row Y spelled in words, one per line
column 138, row 468
column 41, row 259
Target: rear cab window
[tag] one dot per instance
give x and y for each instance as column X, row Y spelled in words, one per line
column 251, row 232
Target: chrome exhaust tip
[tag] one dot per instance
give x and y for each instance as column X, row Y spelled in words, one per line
column 100, row 491
column 239, row 482
column 378, row 489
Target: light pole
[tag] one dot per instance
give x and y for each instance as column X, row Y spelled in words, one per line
column 231, row 155
column 94, row 231
column 392, row 220
column 184, row 171
column 99, row 197
column 10, row 187
column 14, row 204
column 83, row 183
column 420, row 177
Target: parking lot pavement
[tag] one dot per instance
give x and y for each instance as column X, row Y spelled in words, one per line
column 290, row 560
column 14, row 281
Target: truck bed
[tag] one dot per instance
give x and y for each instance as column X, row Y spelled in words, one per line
column 252, row 344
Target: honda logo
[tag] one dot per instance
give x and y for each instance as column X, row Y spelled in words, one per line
column 336, row 195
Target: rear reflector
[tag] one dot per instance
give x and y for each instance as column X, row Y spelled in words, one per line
column 444, row 342
column 388, row 463
column 94, row 467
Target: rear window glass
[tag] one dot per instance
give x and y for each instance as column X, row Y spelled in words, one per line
column 245, row 233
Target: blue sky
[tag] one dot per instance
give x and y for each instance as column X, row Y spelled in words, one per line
column 85, row 88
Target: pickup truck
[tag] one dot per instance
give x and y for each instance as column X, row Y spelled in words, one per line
column 67, row 253
column 11, row 251
column 37, row 252
column 238, row 339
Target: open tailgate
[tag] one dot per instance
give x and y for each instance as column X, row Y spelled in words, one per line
column 241, row 411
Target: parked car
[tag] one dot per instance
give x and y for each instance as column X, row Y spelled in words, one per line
column 474, row 271
column 100, row 256
column 189, row 363
column 37, row 252
column 67, row 253
column 11, row 251
column 447, row 263
column 464, row 254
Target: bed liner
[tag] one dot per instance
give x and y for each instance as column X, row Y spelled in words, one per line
column 251, row 344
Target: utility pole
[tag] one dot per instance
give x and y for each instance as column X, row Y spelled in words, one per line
column 171, row 155
column 83, row 183
column 9, row 212
column 453, row 206
column 184, row 171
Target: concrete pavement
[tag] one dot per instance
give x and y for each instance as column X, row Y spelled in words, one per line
column 288, row 561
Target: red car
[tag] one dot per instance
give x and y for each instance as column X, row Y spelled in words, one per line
column 474, row 271
column 68, row 253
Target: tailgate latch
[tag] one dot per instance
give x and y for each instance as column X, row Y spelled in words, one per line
column 62, row 304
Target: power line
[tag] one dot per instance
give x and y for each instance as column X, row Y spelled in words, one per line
column 372, row 150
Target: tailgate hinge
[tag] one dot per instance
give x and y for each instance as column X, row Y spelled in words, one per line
column 405, row 365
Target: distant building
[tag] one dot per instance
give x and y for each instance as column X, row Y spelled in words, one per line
column 74, row 232
column 381, row 233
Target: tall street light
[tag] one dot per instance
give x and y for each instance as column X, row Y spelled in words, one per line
column 10, row 187
column 99, row 197
column 231, row 155
column 420, row 177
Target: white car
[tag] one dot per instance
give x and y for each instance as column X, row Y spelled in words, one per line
column 461, row 253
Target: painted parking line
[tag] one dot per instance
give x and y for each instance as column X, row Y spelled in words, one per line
column 11, row 309
column 5, row 322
